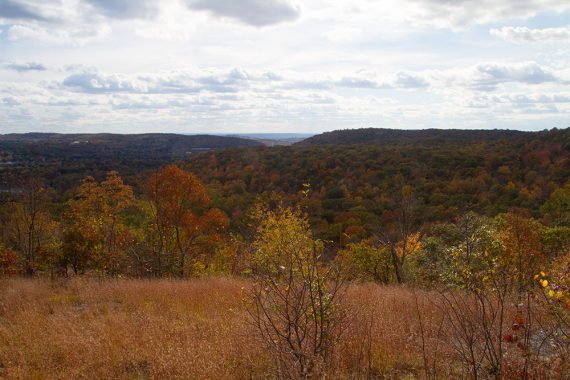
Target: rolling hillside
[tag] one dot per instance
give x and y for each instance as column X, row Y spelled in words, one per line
column 31, row 146
column 399, row 136
column 355, row 187
column 63, row 159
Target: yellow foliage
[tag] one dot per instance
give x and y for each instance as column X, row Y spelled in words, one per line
column 411, row 246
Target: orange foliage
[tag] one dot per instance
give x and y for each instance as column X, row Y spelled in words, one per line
column 8, row 261
column 92, row 222
column 410, row 246
column 181, row 216
column 174, row 192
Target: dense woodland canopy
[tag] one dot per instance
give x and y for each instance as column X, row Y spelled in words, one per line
column 398, row 136
column 352, row 188
column 62, row 160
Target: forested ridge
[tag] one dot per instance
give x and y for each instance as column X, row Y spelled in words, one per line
column 398, row 136
column 61, row 160
column 354, row 187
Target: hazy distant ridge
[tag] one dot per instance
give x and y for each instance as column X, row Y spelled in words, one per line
column 148, row 143
column 382, row 135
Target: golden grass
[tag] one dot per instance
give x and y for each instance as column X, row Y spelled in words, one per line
column 131, row 329
column 197, row 329
column 384, row 333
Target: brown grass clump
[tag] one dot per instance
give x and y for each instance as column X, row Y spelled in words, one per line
column 385, row 340
column 125, row 329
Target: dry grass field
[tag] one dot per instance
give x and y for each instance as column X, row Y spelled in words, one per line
column 86, row 329
column 198, row 329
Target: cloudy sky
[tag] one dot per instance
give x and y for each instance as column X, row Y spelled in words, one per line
column 228, row 66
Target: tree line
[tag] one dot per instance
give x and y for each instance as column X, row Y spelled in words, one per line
column 174, row 229
column 103, row 227
column 355, row 188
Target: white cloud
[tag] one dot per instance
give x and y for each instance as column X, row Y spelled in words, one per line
column 521, row 35
column 409, row 80
column 126, row 9
column 16, row 10
column 343, row 34
column 59, row 22
column 510, row 104
column 41, row 11
column 339, row 63
column 252, row 12
column 487, row 76
column 25, row 66
column 459, row 14
column 96, row 83
column 510, row 99
column 481, row 77
column 72, row 35
column 173, row 82
column 372, row 80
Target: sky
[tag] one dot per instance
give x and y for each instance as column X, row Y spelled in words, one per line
column 306, row 66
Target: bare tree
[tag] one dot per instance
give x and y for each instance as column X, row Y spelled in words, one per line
column 402, row 238
column 30, row 224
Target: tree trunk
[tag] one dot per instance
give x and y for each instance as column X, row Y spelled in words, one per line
column 398, row 266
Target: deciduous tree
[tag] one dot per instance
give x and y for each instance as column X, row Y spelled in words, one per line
column 295, row 299
column 180, row 215
column 403, row 236
column 93, row 225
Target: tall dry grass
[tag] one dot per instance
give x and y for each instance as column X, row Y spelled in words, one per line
column 394, row 333
column 165, row 329
column 131, row 329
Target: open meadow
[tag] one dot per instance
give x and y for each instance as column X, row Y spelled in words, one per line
column 150, row 329
column 179, row 329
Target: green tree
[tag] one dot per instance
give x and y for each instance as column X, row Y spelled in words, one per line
column 366, row 262
column 557, row 208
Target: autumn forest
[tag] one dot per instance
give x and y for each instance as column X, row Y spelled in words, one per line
column 354, row 254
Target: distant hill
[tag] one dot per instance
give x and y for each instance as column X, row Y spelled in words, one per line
column 275, row 139
column 354, row 187
column 398, row 136
column 155, row 144
column 63, row 159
